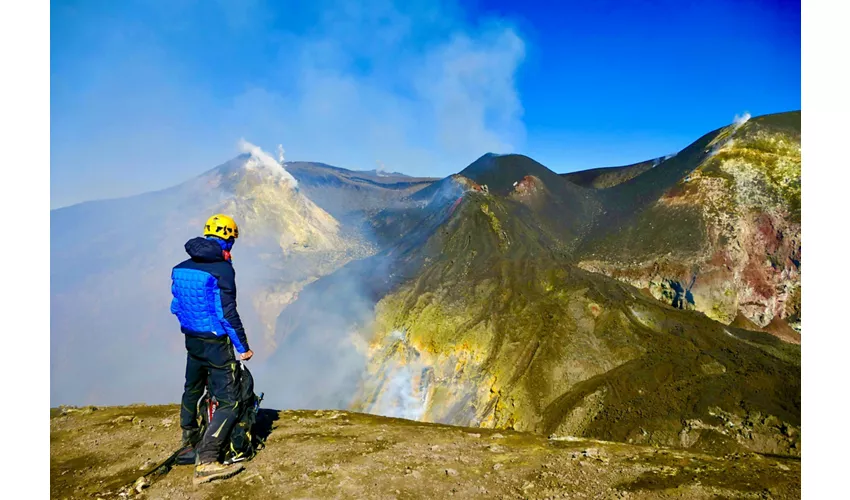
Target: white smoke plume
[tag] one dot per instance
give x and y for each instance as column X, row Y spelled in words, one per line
column 404, row 392
column 402, row 397
column 429, row 85
column 726, row 140
column 662, row 159
column 280, row 151
column 741, row 119
column 381, row 170
column 262, row 160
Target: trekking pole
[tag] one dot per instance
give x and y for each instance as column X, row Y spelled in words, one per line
column 147, row 478
column 164, row 466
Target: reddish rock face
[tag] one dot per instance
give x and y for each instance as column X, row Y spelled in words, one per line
column 467, row 183
column 748, row 262
column 769, row 277
column 528, row 183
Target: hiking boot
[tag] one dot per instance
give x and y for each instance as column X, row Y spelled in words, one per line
column 191, row 437
column 205, row 473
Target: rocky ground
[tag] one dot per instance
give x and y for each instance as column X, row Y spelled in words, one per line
column 95, row 452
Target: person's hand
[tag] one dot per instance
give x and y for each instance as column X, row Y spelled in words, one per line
column 245, row 356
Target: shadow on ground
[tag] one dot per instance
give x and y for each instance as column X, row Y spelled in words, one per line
column 264, row 426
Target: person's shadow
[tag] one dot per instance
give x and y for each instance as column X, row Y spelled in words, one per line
column 683, row 296
column 263, row 426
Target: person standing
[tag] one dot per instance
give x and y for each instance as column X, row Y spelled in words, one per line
column 203, row 289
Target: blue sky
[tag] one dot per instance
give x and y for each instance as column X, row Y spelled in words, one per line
column 146, row 94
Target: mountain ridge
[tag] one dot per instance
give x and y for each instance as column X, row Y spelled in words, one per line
column 460, row 335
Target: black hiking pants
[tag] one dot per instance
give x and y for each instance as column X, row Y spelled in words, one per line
column 210, row 361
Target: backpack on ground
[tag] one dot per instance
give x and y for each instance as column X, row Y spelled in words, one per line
column 241, row 445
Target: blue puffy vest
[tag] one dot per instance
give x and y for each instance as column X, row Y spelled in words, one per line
column 203, row 288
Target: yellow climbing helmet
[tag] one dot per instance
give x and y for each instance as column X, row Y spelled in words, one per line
column 222, row 226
